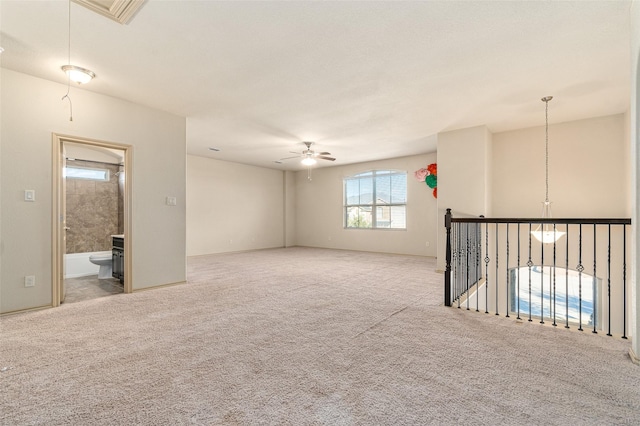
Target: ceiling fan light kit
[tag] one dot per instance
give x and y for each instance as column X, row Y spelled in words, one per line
column 309, row 161
column 309, row 157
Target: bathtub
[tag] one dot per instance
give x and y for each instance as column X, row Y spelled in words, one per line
column 78, row 265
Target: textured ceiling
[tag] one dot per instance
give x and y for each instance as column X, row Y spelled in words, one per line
column 364, row 80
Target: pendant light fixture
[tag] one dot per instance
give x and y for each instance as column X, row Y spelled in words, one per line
column 78, row 74
column 74, row 73
column 546, row 233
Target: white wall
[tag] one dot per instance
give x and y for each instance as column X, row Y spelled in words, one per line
column 31, row 111
column 464, row 177
column 290, row 208
column 464, row 170
column 233, row 207
column 634, row 124
column 319, row 211
column 588, row 170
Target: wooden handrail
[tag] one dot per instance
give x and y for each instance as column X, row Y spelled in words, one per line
column 567, row 221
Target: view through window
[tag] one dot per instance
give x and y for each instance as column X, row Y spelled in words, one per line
column 572, row 298
column 86, row 173
column 376, row 199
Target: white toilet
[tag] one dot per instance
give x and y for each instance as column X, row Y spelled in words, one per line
column 103, row 259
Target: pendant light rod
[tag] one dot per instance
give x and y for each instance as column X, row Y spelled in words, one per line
column 546, row 100
column 69, row 62
column 546, row 234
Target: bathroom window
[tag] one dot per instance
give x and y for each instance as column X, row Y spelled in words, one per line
column 86, row 173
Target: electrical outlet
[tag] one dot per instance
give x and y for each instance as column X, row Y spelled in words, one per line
column 30, row 281
column 171, row 201
column 428, row 243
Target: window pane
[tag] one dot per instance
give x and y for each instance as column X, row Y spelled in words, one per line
column 366, row 220
column 398, row 217
column 85, row 173
column 383, row 189
column 358, row 217
column 399, row 188
column 383, row 217
column 352, row 217
column 352, row 192
column 366, row 190
column 363, row 174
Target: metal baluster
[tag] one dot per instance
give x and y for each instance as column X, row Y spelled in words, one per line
column 554, row 277
column 486, row 268
column 624, row 281
column 497, row 261
column 530, row 264
column 518, row 269
column 507, row 269
column 594, row 283
column 457, row 270
column 580, row 268
column 542, row 280
column 467, row 259
column 609, row 282
column 478, row 242
column 566, row 283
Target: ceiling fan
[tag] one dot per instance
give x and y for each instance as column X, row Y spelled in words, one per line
column 308, row 156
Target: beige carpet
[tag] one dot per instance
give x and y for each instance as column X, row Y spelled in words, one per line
column 305, row 336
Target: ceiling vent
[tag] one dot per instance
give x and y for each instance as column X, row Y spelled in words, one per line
column 119, row 10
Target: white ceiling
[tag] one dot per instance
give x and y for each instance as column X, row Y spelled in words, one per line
column 364, row 80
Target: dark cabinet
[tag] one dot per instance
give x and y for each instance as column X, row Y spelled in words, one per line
column 117, row 258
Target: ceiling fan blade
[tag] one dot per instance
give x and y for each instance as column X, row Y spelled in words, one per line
column 323, row 153
column 327, row 158
column 293, row 152
column 289, row 158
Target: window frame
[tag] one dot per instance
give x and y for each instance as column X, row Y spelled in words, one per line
column 374, row 205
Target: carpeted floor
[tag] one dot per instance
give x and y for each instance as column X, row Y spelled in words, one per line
column 305, row 336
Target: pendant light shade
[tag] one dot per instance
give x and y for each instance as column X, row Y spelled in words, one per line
column 78, row 74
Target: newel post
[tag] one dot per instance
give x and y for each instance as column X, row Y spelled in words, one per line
column 447, row 272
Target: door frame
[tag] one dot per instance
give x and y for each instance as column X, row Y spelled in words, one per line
column 58, row 221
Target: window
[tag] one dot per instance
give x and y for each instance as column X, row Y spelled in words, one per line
column 376, row 199
column 86, row 173
column 573, row 299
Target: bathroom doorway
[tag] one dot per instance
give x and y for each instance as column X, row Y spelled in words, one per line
column 92, row 194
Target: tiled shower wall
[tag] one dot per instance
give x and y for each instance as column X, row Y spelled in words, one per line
column 93, row 210
column 121, row 200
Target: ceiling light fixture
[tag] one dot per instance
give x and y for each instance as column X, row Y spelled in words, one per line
column 309, row 161
column 78, row 74
column 547, row 233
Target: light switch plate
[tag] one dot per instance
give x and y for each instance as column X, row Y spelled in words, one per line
column 29, row 195
column 171, row 201
column 30, row 281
